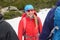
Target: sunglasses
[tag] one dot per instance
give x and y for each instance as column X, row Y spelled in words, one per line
column 30, row 10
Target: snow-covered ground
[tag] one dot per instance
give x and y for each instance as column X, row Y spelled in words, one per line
column 42, row 14
column 15, row 21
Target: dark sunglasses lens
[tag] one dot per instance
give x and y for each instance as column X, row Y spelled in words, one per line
column 29, row 10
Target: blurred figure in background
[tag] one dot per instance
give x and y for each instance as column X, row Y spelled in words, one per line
column 49, row 24
column 6, row 31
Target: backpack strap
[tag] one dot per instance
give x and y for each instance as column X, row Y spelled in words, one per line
column 38, row 24
column 52, row 32
column 24, row 22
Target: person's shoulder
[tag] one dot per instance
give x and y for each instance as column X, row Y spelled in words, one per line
column 52, row 10
column 58, row 8
column 6, row 24
column 38, row 17
column 23, row 16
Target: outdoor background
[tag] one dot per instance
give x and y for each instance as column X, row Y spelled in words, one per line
column 14, row 8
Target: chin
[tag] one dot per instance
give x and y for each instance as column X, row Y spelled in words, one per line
column 31, row 16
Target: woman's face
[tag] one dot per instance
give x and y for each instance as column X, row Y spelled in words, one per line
column 30, row 13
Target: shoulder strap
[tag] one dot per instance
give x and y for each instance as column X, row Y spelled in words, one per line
column 38, row 24
column 24, row 22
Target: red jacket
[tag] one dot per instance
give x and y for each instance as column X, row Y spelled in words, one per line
column 28, row 28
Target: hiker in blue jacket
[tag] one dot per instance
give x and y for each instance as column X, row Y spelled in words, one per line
column 49, row 23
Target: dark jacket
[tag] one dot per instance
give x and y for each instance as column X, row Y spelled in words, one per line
column 49, row 23
column 6, row 31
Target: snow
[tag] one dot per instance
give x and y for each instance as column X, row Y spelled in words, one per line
column 15, row 21
column 42, row 14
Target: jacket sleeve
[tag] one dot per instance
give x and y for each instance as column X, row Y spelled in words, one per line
column 20, row 30
column 39, row 25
